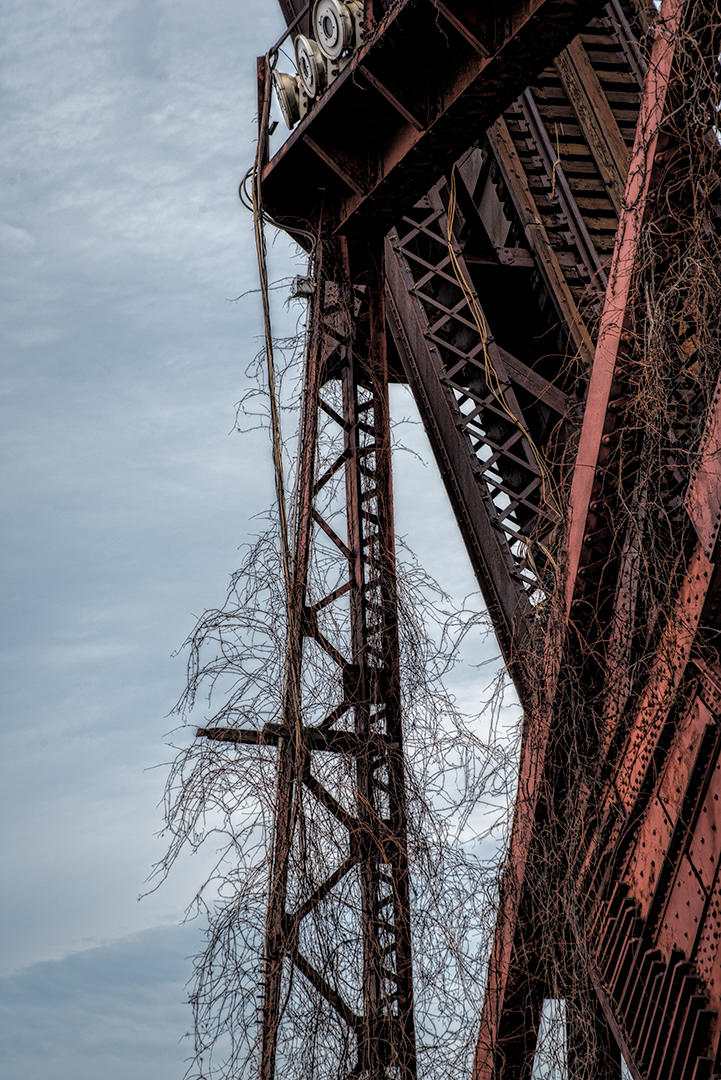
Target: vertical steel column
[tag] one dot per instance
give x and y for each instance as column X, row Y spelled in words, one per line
column 347, row 343
column 389, row 1041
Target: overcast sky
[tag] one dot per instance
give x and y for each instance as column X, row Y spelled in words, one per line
column 126, row 127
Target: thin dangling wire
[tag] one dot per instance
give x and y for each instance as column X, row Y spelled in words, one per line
column 261, row 253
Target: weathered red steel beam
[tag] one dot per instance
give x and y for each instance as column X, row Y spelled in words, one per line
column 430, row 78
column 591, row 445
column 652, row 865
column 509, row 931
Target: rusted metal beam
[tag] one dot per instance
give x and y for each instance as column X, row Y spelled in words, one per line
column 389, row 96
column 292, row 9
column 543, row 390
column 703, row 495
column 464, row 20
column 595, row 118
column 312, row 738
column 462, row 90
column 614, row 312
column 490, row 557
column 503, row 980
column 661, row 787
column 515, row 178
column 566, row 200
column 331, row 995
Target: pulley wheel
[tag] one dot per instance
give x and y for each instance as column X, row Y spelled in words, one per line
column 333, row 27
column 286, row 90
column 311, row 65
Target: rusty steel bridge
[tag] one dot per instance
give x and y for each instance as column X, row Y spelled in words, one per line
column 478, row 180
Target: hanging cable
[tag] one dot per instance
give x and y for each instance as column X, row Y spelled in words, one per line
column 261, row 252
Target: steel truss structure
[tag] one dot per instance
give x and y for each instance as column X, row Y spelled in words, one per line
column 504, row 159
column 347, row 352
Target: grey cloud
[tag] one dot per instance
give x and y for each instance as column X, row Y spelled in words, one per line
column 111, row 1011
